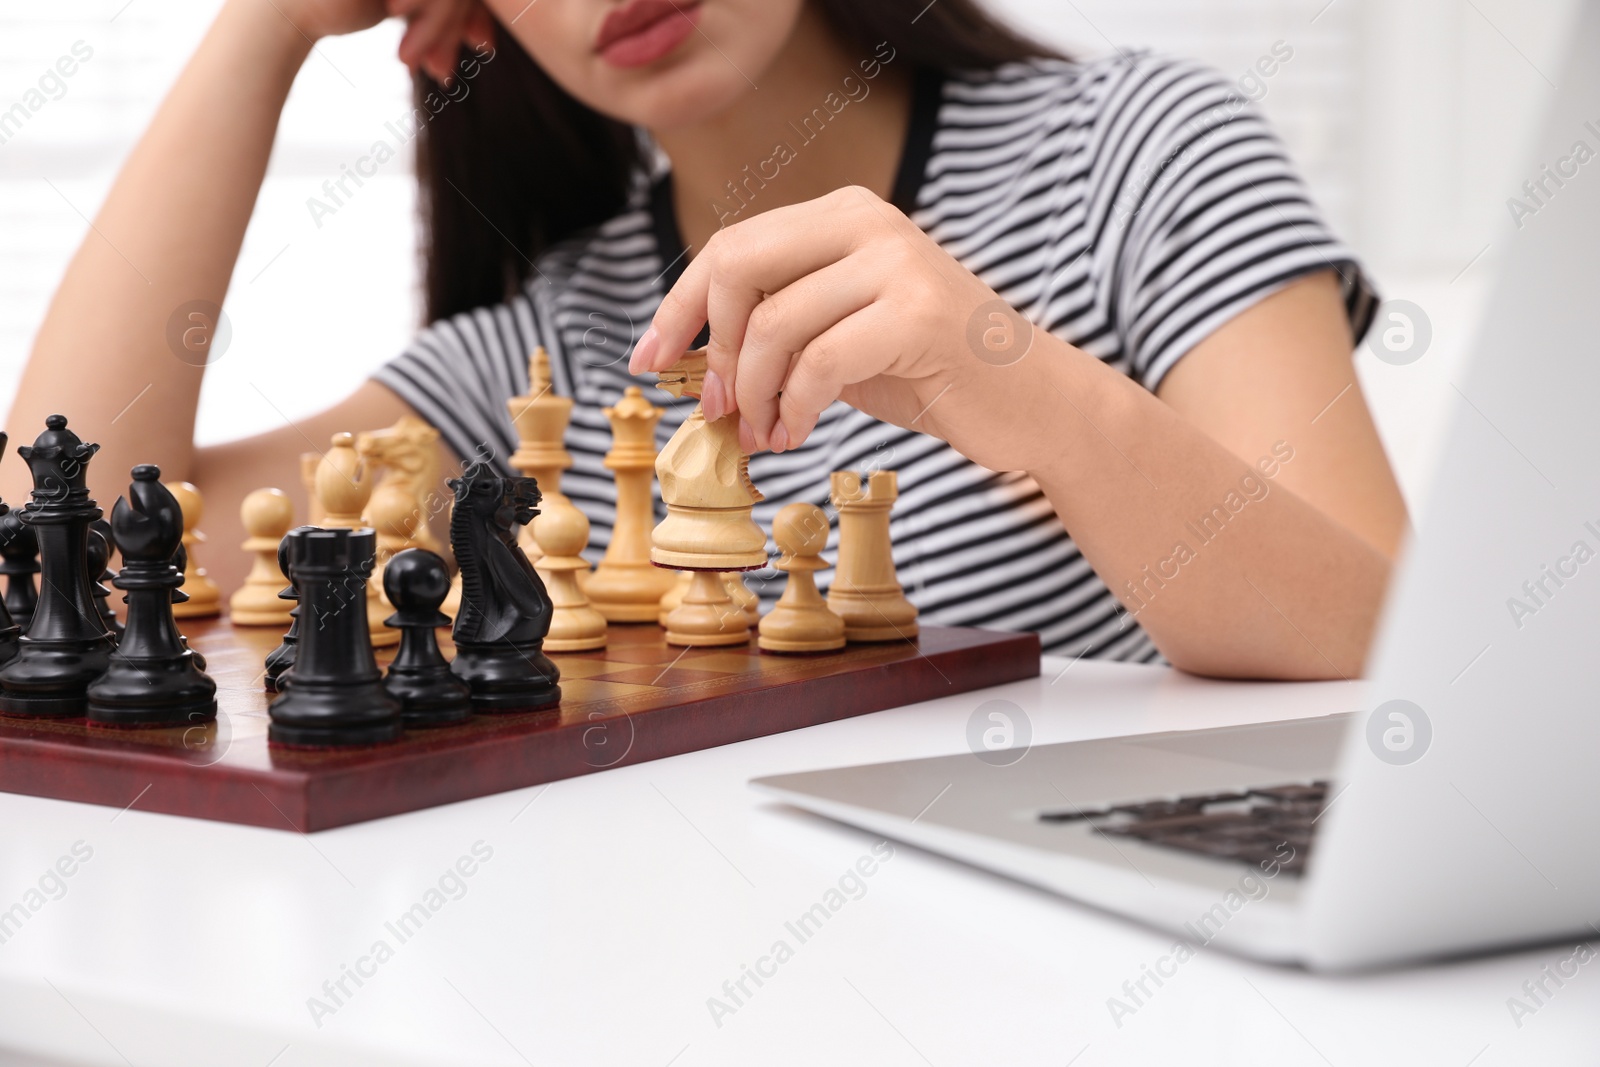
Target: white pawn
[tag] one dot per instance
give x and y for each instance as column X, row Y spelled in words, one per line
column 742, row 595
column 707, row 617
column 801, row 621
column 267, row 515
column 205, row 596
column 561, row 532
column 344, row 485
column 673, row 597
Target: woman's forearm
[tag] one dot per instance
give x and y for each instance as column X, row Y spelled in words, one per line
column 1230, row 574
column 167, row 235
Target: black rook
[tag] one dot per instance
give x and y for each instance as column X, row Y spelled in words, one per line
column 334, row 694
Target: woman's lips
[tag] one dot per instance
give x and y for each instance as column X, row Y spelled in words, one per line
column 643, row 31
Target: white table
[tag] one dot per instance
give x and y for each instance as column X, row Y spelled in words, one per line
column 614, row 906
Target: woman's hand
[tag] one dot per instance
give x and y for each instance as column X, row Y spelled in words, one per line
column 843, row 297
column 435, row 29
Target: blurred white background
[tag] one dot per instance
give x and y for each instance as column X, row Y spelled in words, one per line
column 1409, row 121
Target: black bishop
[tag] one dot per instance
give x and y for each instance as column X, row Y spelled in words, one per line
column 152, row 678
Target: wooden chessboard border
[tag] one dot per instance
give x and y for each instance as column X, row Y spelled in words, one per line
column 229, row 773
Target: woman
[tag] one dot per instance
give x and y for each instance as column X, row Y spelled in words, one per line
column 852, row 199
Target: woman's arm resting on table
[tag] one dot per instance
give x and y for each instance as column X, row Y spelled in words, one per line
column 844, row 297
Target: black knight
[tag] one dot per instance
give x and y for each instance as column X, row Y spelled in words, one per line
column 505, row 611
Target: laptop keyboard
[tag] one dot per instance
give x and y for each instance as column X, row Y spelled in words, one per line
column 1265, row 826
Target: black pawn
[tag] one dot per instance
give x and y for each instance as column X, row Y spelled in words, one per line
column 19, row 562
column 101, row 545
column 66, row 645
column 335, row 694
column 281, row 659
column 152, row 679
column 417, row 581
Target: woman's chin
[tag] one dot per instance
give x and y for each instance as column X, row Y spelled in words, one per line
column 670, row 98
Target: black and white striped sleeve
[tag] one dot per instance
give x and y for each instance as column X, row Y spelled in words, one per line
column 1209, row 216
column 458, row 373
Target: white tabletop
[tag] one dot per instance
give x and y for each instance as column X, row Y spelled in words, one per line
column 610, row 909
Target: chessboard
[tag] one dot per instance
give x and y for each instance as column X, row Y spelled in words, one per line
column 638, row 699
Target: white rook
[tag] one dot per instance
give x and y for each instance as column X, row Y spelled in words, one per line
column 865, row 591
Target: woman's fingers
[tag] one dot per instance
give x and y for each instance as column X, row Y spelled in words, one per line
column 728, row 306
column 828, row 364
column 795, row 300
column 780, row 327
column 433, row 34
column 478, row 31
column 742, row 263
column 442, row 25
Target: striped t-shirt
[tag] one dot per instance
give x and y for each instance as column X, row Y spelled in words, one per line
column 1131, row 206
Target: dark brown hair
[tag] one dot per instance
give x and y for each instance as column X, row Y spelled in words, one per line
column 517, row 164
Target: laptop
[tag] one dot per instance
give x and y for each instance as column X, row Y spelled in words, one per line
column 1456, row 812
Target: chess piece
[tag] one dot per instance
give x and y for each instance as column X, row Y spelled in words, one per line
column 205, row 596
column 344, row 485
column 410, row 490
column 19, row 562
column 180, row 560
column 266, row 515
column 575, row 626
column 708, row 617
column 101, row 545
column 742, row 595
column 865, row 591
column 10, row 636
column 540, row 417
column 404, row 464
column 152, row 678
column 419, row 678
column 705, row 483
column 10, row 631
column 334, row 696
column 452, row 602
column 505, row 611
column 395, row 520
column 625, row 587
column 674, row 596
column 281, row 659
column 309, row 462
column 66, row 645
column 108, row 615
column 801, row 621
